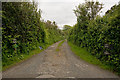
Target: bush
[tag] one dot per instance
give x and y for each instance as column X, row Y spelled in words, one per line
column 101, row 36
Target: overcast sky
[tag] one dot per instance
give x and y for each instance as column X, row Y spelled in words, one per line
column 61, row 11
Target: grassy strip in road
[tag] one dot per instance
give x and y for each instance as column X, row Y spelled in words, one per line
column 60, row 44
column 86, row 56
column 20, row 58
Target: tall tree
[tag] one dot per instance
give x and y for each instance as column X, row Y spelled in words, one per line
column 88, row 10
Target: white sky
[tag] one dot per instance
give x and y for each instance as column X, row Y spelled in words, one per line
column 61, row 11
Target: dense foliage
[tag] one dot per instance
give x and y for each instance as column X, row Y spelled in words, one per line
column 23, row 31
column 66, row 30
column 53, row 34
column 100, row 35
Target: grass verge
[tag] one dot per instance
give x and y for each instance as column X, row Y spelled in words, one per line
column 86, row 56
column 20, row 58
column 60, row 44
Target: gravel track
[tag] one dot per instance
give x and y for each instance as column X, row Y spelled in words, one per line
column 56, row 64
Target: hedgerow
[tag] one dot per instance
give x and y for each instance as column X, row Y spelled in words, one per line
column 23, row 30
column 100, row 35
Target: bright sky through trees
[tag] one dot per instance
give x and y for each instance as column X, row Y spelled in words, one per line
column 61, row 11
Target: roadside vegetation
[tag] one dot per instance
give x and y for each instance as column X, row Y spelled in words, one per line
column 85, row 55
column 20, row 58
column 100, row 36
column 24, row 33
column 60, row 44
column 94, row 38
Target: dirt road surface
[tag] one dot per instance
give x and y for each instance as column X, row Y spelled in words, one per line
column 56, row 64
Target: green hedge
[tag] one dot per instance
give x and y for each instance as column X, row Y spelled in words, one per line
column 101, row 36
column 21, row 23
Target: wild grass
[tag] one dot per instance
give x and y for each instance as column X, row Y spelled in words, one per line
column 20, row 58
column 86, row 56
column 60, row 44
